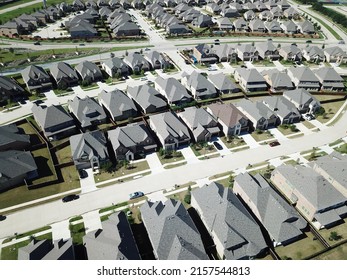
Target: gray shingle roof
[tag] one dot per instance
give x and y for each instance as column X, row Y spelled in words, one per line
column 303, row 74
column 89, row 70
column 202, row 86
column 328, row 74
column 279, row 218
column 281, row 106
column 10, row 134
column 172, row 232
column 257, row 109
column 278, row 79
column 251, row 76
column 174, row 90
column 34, row 72
column 227, row 113
column 62, row 70
column 86, row 110
column 115, row 241
column 136, row 59
column 7, row 84
column 222, row 82
column 225, row 216
column 300, row 96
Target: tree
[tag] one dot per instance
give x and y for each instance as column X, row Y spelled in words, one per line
column 62, row 85
column 112, row 55
column 141, row 51
column 11, row 50
column 334, row 236
column 126, row 53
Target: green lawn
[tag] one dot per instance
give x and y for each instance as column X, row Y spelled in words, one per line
column 77, row 233
column 291, row 162
column 90, row 87
column 132, row 168
column 170, row 159
column 286, row 129
column 262, row 135
column 314, row 156
column 342, row 149
column 175, row 165
column 28, row 233
column 341, row 230
column 308, row 124
column 331, row 109
column 64, row 155
column 232, row 142
column 295, row 136
column 338, row 253
column 200, row 150
column 337, row 142
column 228, row 173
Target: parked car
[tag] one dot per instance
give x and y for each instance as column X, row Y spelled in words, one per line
column 70, row 197
column 274, row 143
column 37, row 43
column 82, row 173
column 308, row 117
column 217, row 145
column 136, row 195
column 2, row 218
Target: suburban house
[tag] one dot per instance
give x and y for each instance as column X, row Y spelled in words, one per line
column 290, row 52
column 278, row 81
column 273, row 26
column 250, row 79
column 204, row 53
column 257, row 25
column 223, row 84
column 289, row 27
column 225, row 23
column 283, row 108
column 329, row 79
column 303, row 77
column 9, row 89
column 303, row 100
column 230, row 13
column 89, row 150
column 258, row 113
column 89, row 71
column 137, row 62
column 202, row 125
column 314, row 54
column 127, row 28
column 240, row 25
column 172, row 231
column 233, row 122
column 306, row 27
column 36, row 78
column 82, row 29
column 171, row 132
column 291, row 13
column 249, row 15
column 281, row 220
column 235, row 233
column 266, row 15
column 199, row 86
column 203, row 21
column 115, row 67
column 132, row 141
column 267, row 50
column 64, row 75
column 246, row 52
column 15, row 167
column 87, row 111
column 13, row 138
column 118, row 105
column 335, row 54
column 114, row 241
column 174, row 92
column 317, row 199
column 47, row 249
column 213, row 8
column 157, row 60
column 148, row 98
column 177, row 28
column 332, row 167
column 54, row 121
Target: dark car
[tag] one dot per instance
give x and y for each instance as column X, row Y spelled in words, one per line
column 82, row 173
column 37, row 43
column 217, row 145
column 70, row 197
column 274, row 143
column 2, row 218
column 136, row 195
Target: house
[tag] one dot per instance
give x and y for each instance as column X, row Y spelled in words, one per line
column 257, row 25
column 283, row 108
column 223, row 84
column 47, row 249
column 174, row 92
column 332, row 167
column 314, row 54
column 9, row 89
column 225, row 23
column 204, row 53
column 273, row 26
column 82, row 29
column 202, row 125
column 137, row 62
column 303, row 100
column 246, row 52
column 149, row 99
column 189, row 15
column 199, row 86
column 36, row 78
column 11, row 29
column 127, row 29
column 266, row 15
column 115, row 67
column 114, row 241
column 54, row 121
column 291, row 13
column 64, row 75
column 240, row 24
column 89, row 71
column 171, row 131
column 203, row 21
column 290, row 53
column 13, row 138
column 289, row 27
column 15, row 167
column 280, row 219
column 89, row 150
column 230, row 13
column 316, row 199
column 258, row 113
column 329, row 79
column 78, row 5
column 171, row 231
column 303, row 77
column 250, row 79
column 306, row 27
column 178, row 28
column 278, row 81
column 87, row 111
column 249, row 15
column 283, row 4
column 335, row 54
column 276, row 12
column 267, row 50
column 233, row 122
column 213, row 8
column 235, row 233
column 132, row 141
column 225, row 52
column 118, row 105
column 157, row 60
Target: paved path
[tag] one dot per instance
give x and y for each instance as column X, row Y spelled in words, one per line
column 60, row 230
column 91, row 221
column 3, row 11
column 303, row 128
column 318, row 124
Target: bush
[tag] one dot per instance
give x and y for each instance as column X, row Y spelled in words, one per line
column 187, row 198
column 320, row 111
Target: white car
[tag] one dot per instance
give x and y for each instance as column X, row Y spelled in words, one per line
column 308, row 117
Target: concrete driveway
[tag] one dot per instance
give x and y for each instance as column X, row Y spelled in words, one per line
column 250, row 141
column 60, row 230
column 189, row 155
column 225, row 151
column 318, row 124
column 278, row 134
column 91, row 221
column 303, row 128
column 88, row 183
column 154, row 163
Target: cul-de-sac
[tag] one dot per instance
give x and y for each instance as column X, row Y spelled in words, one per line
column 173, row 130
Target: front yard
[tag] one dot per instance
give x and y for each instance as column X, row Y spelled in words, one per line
column 260, row 135
column 174, row 157
column 331, row 109
column 286, row 129
column 201, row 149
column 232, row 142
column 77, row 233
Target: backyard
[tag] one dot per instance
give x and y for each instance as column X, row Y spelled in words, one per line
column 338, row 253
column 64, row 154
column 340, row 230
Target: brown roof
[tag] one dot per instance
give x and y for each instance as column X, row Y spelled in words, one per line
column 227, row 113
